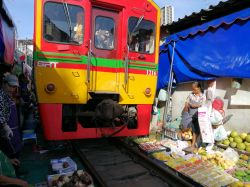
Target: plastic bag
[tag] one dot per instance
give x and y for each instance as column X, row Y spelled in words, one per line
column 220, row 133
column 231, row 154
column 162, row 95
column 216, row 118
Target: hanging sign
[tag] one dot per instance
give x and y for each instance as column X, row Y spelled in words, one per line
column 205, row 125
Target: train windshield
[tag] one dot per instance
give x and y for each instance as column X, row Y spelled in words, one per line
column 63, row 23
column 141, row 35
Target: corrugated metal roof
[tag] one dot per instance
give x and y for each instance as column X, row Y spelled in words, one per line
column 223, row 8
column 225, row 21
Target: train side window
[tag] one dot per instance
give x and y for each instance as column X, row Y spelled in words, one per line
column 141, row 36
column 104, row 33
column 63, row 23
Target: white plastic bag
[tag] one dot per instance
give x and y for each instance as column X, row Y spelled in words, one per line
column 220, row 133
column 216, row 118
column 231, row 154
column 162, row 95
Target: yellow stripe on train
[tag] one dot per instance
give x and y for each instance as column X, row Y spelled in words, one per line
column 70, row 86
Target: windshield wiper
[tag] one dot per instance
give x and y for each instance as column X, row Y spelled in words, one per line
column 66, row 11
column 135, row 27
column 137, row 23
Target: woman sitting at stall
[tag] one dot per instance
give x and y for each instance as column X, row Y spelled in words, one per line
column 190, row 112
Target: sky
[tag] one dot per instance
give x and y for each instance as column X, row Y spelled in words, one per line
column 22, row 12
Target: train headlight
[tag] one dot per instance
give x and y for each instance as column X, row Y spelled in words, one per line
column 50, row 88
column 148, row 92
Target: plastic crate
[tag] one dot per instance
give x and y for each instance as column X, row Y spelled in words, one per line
column 171, row 133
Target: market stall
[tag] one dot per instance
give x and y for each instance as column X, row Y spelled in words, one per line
column 204, row 46
column 204, row 49
column 217, row 165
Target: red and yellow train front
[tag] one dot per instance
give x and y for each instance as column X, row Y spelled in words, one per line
column 90, row 50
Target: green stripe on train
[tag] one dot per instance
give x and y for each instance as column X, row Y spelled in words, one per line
column 112, row 63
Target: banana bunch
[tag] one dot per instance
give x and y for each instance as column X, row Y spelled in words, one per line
column 187, row 135
column 218, row 160
column 201, row 151
column 161, row 156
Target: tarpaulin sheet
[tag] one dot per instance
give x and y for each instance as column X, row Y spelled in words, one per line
column 2, row 47
column 219, row 48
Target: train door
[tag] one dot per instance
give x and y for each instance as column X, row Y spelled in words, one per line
column 104, row 37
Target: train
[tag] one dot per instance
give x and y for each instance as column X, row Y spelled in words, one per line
column 95, row 67
column 7, row 38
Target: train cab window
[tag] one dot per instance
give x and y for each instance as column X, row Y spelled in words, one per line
column 141, row 37
column 63, row 23
column 104, row 33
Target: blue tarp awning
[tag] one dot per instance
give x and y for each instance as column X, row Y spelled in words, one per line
column 218, row 48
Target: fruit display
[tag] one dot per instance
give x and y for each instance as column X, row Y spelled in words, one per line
column 242, row 175
column 205, row 173
column 187, row 134
column 238, row 141
column 200, row 151
column 220, row 166
column 242, row 171
column 217, row 159
column 239, row 184
column 243, row 164
column 244, row 157
column 169, row 143
column 151, row 147
column 162, row 156
column 176, row 162
column 143, row 140
column 77, row 178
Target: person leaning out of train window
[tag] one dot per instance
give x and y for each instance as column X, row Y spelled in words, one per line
column 10, row 139
column 190, row 112
column 7, row 172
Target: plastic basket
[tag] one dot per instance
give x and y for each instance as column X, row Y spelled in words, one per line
column 171, row 133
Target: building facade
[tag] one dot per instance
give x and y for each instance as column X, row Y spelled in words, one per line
column 167, row 15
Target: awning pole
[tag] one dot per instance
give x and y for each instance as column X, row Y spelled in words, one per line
column 169, row 90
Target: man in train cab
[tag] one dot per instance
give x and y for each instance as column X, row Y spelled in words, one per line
column 104, row 38
column 134, row 43
column 7, row 172
column 150, row 42
column 78, row 29
column 110, row 39
column 146, row 41
column 99, row 36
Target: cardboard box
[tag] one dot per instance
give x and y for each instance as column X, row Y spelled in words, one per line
column 63, row 165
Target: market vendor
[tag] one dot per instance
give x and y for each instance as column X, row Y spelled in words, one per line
column 7, row 172
column 190, row 112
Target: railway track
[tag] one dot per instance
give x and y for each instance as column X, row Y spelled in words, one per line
column 114, row 163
